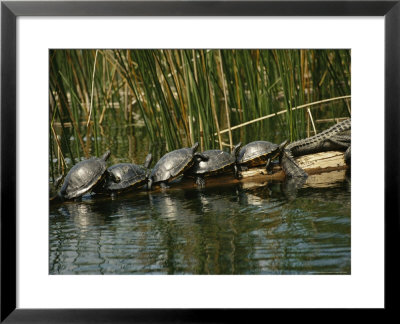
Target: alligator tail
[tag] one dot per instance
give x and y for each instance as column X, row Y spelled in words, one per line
column 347, row 156
column 290, row 167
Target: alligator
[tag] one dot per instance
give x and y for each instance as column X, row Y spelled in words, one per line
column 337, row 137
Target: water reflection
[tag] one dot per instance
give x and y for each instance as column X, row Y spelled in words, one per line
column 246, row 228
column 83, row 214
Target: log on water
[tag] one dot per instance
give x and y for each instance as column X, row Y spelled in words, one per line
column 312, row 164
column 324, row 170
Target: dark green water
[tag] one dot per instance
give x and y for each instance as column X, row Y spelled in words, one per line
column 220, row 230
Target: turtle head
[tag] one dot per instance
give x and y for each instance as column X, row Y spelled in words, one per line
column 58, row 181
column 200, row 157
column 195, row 146
column 115, row 177
column 236, row 149
column 148, row 160
column 106, row 155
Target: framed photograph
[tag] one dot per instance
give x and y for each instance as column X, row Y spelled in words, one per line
column 180, row 160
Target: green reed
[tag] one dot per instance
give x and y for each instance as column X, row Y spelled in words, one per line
column 183, row 96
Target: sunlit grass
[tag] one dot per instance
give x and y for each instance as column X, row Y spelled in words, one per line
column 214, row 97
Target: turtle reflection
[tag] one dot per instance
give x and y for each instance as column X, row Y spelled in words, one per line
column 83, row 214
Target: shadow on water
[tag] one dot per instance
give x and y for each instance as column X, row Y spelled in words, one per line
column 244, row 228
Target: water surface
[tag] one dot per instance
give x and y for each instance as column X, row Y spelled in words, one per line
column 234, row 228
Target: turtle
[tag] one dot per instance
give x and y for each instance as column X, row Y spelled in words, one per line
column 218, row 162
column 173, row 164
column 258, row 153
column 125, row 176
column 84, row 177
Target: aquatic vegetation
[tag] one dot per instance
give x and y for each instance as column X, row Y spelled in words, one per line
column 101, row 99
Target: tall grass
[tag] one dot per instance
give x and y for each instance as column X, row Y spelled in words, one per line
column 183, row 96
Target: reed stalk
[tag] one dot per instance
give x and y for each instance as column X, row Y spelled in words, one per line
column 175, row 97
column 225, row 100
column 283, row 112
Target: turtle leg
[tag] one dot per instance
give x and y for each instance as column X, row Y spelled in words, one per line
column 149, row 183
column 164, row 185
column 238, row 174
column 200, row 181
column 268, row 166
column 243, row 168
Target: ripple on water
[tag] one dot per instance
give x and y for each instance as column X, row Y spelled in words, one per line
column 210, row 231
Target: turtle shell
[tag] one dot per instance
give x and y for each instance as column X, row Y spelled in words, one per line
column 257, row 153
column 83, row 177
column 129, row 176
column 172, row 164
column 218, row 162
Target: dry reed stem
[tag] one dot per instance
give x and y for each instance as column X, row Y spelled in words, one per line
column 225, row 100
column 312, row 120
column 59, row 151
column 91, row 94
column 283, row 112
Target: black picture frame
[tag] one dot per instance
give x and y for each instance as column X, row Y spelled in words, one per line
column 10, row 10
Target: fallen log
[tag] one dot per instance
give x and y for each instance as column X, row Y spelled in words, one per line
column 312, row 164
column 324, row 170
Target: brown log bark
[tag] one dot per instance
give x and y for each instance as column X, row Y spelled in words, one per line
column 312, row 164
column 324, row 169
